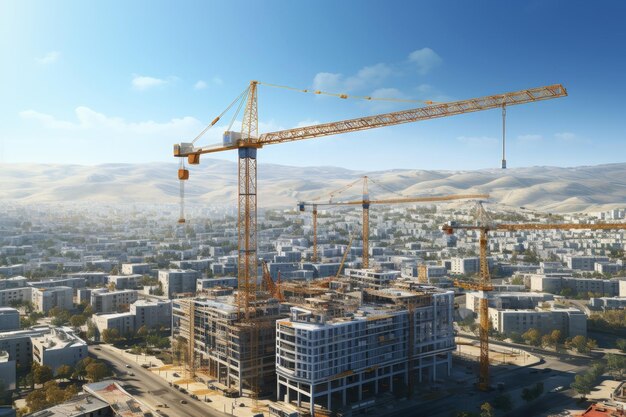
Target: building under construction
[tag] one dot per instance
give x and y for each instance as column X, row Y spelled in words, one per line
column 238, row 353
column 332, row 354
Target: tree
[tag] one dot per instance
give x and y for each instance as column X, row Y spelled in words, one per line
column 65, row 372
column 92, row 330
column 486, row 410
column 97, row 371
column 621, row 344
column 582, row 384
column 110, row 336
column 546, row 341
column 503, row 402
column 78, row 320
column 41, row 373
column 516, row 337
column 532, row 337
column 616, row 365
column 36, row 400
column 88, row 311
column 557, row 337
column 142, row 332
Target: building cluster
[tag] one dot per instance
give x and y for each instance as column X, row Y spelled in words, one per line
column 336, row 336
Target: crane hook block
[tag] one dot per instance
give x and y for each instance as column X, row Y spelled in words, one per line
column 183, row 174
column 301, row 206
column 181, row 220
column 193, row 159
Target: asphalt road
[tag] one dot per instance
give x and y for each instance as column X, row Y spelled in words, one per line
column 151, row 389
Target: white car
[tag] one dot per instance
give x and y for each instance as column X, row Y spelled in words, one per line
column 558, row 389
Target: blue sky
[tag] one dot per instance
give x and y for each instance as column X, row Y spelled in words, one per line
column 119, row 81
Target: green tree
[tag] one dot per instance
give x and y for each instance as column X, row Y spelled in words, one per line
column 92, row 330
column 78, row 320
column 616, row 364
column 111, row 336
column 36, row 400
column 41, row 373
column 532, row 337
column 516, row 337
column 65, row 372
column 486, row 410
column 88, row 311
column 97, row 371
column 503, row 402
column 582, row 384
column 621, row 344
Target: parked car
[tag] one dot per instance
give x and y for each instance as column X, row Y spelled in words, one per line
column 183, row 401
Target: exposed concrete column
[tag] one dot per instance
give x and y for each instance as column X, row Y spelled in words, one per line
column 312, row 400
column 299, row 398
column 376, row 381
column 434, row 367
column 344, row 400
column 449, row 363
column 361, row 391
column 328, row 399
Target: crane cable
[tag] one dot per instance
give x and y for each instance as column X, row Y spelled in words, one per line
column 239, row 97
column 346, row 96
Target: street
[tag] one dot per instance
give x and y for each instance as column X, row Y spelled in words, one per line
column 151, row 389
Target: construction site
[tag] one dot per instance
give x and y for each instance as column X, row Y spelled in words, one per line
column 330, row 344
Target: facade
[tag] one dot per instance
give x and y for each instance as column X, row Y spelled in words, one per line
column 335, row 361
column 11, row 295
column 370, row 278
column 204, row 284
column 152, row 314
column 80, row 406
column 45, row 299
column 608, row 303
column 18, row 344
column 556, row 284
column 105, row 301
column 9, row 319
column 72, row 282
column 125, row 282
column 223, row 343
column 178, row 281
column 570, row 321
column 59, row 347
column 584, row 263
column 464, row 266
column 510, row 300
column 134, row 269
column 7, row 372
column 92, row 279
column 123, row 322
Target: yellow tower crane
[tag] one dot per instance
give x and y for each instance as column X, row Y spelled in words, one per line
column 365, row 202
column 483, row 285
column 248, row 141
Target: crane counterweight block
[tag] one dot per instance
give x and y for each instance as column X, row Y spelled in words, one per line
column 183, row 174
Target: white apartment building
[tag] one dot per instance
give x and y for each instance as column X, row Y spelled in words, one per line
column 18, row 344
column 569, row 321
column 204, row 284
column 370, row 278
column 555, row 284
column 336, row 361
column 507, row 300
column 10, row 295
column 123, row 322
column 608, row 303
column 45, row 299
column 7, row 371
column 59, row 347
column 152, row 314
column 105, row 301
column 584, row 263
column 126, row 282
column 134, row 269
column 464, row 266
column 178, row 281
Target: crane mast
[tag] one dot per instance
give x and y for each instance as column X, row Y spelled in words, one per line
column 365, row 202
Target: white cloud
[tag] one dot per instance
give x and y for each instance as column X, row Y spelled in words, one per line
column 477, row 140
column 389, row 93
column 429, row 92
column 49, row 58
column 425, row 59
column 529, row 138
column 141, row 82
column 200, row 85
column 327, row 81
column 307, row 122
column 366, row 77
column 88, row 119
column 565, row 136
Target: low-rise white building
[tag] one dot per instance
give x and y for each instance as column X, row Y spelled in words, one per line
column 152, row 313
column 59, row 347
column 126, row 282
column 123, row 322
column 45, row 299
column 178, row 281
column 18, row 294
column 105, row 301
column 569, row 321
